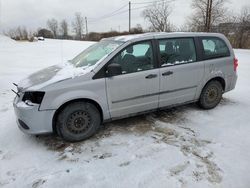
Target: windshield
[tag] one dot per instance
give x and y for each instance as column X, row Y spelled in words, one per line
column 94, row 53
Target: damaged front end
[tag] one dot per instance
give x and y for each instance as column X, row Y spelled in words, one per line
column 29, row 118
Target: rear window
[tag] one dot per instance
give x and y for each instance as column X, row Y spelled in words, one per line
column 214, row 47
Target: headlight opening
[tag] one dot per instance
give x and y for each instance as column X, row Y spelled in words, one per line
column 33, row 96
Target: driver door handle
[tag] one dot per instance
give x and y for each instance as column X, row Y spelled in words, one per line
column 167, row 73
column 150, row 76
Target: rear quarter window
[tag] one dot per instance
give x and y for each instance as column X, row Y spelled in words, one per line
column 214, row 47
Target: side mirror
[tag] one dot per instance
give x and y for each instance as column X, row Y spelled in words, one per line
column 114, row 69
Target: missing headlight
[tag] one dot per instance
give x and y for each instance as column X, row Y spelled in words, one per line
column 33, row 96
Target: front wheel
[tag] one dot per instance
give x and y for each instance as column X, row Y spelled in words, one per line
column 211, row 95
column 78, row 121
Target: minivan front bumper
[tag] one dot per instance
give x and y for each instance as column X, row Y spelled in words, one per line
column 32, row 121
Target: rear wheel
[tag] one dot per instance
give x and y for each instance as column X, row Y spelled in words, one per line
column 78, row 121
column 211, row 95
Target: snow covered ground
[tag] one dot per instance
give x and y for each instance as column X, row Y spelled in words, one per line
column 182, row 147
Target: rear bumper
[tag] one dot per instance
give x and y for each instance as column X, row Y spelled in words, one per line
column 32, row 121
column 231, row 83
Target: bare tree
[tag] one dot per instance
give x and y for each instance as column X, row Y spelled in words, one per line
column 11, row 33
column 243, row 29
column 78, row 25
column 18, row 33
column 137, row 29
column 64, row 29
column 158, row 16
column 22, row 33
column 206, row 14
column 53, row 26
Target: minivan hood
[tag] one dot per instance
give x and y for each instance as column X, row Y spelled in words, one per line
column 50, row 75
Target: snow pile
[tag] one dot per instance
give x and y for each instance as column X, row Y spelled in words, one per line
column 5, row 39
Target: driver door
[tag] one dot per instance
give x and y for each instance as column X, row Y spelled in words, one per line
column 136, row 89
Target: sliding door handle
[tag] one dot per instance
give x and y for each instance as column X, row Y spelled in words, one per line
column 167, row 73
column 150, row 76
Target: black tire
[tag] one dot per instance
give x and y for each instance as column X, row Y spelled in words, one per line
column 211, row 95
column 78, row 121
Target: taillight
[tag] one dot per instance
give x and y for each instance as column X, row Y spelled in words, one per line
column 235, row 64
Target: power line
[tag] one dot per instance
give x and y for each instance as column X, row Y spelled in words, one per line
column 101, row 18
column 150, row 2
column 109, row 14
column 140, row 7
column 118, row 13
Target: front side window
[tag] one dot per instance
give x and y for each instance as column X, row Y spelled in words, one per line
column 94, row 53
column 177, row 51
column 214, row 47
column 136, row 57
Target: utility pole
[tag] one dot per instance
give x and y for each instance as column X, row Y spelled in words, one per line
column 129, row 16
column 209, row 15
column 86, row 22
column 206, row 18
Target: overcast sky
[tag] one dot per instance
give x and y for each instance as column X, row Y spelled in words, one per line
column 34, row 13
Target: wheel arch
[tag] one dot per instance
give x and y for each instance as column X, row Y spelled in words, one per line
column 219, row 79
column 97, row 105
column 204, row 83
column 202, row 100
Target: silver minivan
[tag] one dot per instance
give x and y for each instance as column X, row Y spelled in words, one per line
column 124, row 76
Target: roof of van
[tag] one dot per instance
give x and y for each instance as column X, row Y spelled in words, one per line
column 125, row 38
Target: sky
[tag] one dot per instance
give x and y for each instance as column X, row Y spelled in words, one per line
column 33, row 13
